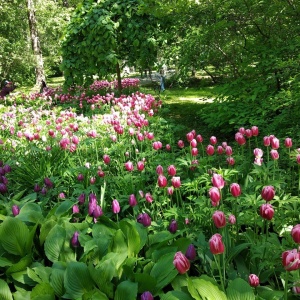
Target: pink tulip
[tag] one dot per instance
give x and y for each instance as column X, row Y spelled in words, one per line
column 296, row 233
column 193, row 143
column 81, row 199
column 75, row 209
column 258, row 152
column 220, row 150
column 298, row 159
column 248, row 133
column 228, row 150
column 168, row 147
column 253, row 280
column 194, row 151
column 274, row 154
column 159, row 170
column 232, row 219
column 75, row 241
column 254, row 130
column 181, row 262
column 275, row 143
column 171, row 170
column 240, row 139
column 144, row 219
column 258, row 161
column 15, row 210
column 129, row 166
column 106, row 159
column 235, row 189
column 210, row 150
column 157, row 145
column 242, row 130
column 213, row 140
column 140, row 166
column 180, row 144
column 149, row 197
column 291, row 260
column 176, row 182
column 170, row 190
column 219, row 219
column 218, row 181
column 288, row 143
column 162, row 181
column 189, row 136
column 115, row 206
column 216, row 245
column 267, row 211
column 132, row 200
column 267, row 141
column 147, row 296
column 215, row 196
column 199, row 138
column 268, row 193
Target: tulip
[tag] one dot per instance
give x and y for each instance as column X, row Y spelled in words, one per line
column 267, row 211
column 106, row 159
column 248, row 133
column 240, row 139
column 132, row 200
column 170, row 190
column 48, row 182
column 100, row 173
column 149, row 197
column 230, row 160
column 80, row 177
column 129, row 166
column 92, row 204
column 115, row 206
column 171, row 170
column 181, row 262
column 75, row 209
column 199, row 138
column 242, row 130
column 232, row 219
column 190, row 252
column 274, row 154
column 6, row 169
column 228, row 150
column 173, row 226
column 176, row 182
column 140, row 166
column 180, row 144
column 144, row 219
column 97, row 212
column 81, row 198
column 235, row 189
column 168, row 147
column 296, row 289
column 291, row 260
column 162, row 181
column 61, row 196
column 159, row 170
column 254, row 130
column 215, row 196
column 258, row 152
column 157, row 145
column 268, row 193
column 189, row 136
column 267, row 141
column 15, row 210
column 253, row 280
column 193, row 143
column 288, row 143
column 216, row 245
column 296, row 233
column 220, row 150
column 74, row 241
column 210, row 150
column 218, row 181
column 219, row 219
column 213, row 140
column 92, row 180
column 275, row 143
column 36, row 188
column 147, row 296
column 194, row 151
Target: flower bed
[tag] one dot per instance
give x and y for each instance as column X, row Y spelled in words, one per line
column 100, row 200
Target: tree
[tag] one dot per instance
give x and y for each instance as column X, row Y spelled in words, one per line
column 102, row 36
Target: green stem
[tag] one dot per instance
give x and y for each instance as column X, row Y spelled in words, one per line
column 218, row 262
column 286, row 285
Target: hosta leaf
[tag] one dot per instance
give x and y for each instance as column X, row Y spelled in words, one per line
column 64, row 207
column 239, row 289
column 22, row 295
column 127, row 288
column 118, row 243
column 145, row 282
column 21, row 265
column 203, row 289
column 164, row 271
column 5, row 293
column 176, row 295
column 31, row 212
column 15, row 237
column 42, row 291
column 4, row 262
column 94, row 295
column 46, row 228
column 54, row 243
column 132, row 238
column 57, row 282
column 77, row 279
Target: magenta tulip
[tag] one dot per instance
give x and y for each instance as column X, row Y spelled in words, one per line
column 199, row 138
column 81, row 198
column 219, row 219
column 147, row 296
column 144, row 219
column 213, row 140
column 140, row 166
column 268, row 193
column 106, row 159
column 75, row 209
column 267, row 141
column 194, row 151
column 216, row 245
column 258, row 152
column 210, row 150
column 15, row 210
column 291, row 260
column 115, row 206
column 132, row 200
column 149, row 197
column 162, row 181
column 288, row 143
column 235, row 189
column 190, row 252
column 232, row 219
column 253, row 280
column 267, row 211
column 240, row 139
column 75, row 241
column 296, row 233
column 180, row 144
column 274, row 143
column 274, row 154
column 129, row 166
column 189, row 136
column 181, row 262
column 159, row 170
column 228, row 151
column 254, row 130
column 230, row 160
column 215, row 196
column 176, row 182
column 171, row 170
column 173, row 226
column 218, row 181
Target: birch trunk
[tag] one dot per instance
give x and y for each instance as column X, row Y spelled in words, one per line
column 35, row 43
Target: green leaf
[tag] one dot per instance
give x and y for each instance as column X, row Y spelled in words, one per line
column 57, row 282
column 145, row 282
column 176, row 295
column 15, row 237
column 31, row 212
column 239, row 289
column 42, row 291
column 236, row 250
column 77, row 279
column 22, row 295
column 64, row 208
column 132, row 237
column 127, row 288
column 203, row 289
column 164, row 271
column 21, row 265
column 4, row 262
column 94, row 295
column 54, row 243
column 5, row 293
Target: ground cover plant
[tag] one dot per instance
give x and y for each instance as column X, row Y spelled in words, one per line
column 99, row 199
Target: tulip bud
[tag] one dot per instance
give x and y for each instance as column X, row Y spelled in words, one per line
column 15, row 210
column 230, row 160
column 210, row 150
column 97, row 212
column 240, row 139
column 253, row 280
column 173, row 226
column 232, row 219
column 291, row 260
column 228, row 151
column 189, row 136
column 106, row 159
column 219, row 219
column 140, row 166
column 129, row 166
column 215, row 196
column 258, row 152
column 213, row 140
column 199, row 138
column 74, row 241
column 181, row 263
column 274, row 154
column 254, row 130
column 115, row 206
column 75, row 209
column 48, row 182
column 274, row 143
column 80, row 177
column 171, row 170
column 81, row 198
column 288, row 143
column 267, row 211
column 144, row 219
column 216, row 245
column 267, row 141
column 218, row 181
column 147, row 296
column 235, row 189
column 162, row 181
column 190, row 252
column 296, row 233
column 149, row 197
column 132, row 200
column 159, row 170
column 268, row 193
column 176, row 182
column 180, row 144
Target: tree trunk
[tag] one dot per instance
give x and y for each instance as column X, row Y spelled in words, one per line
column 35, row 43
column 119, row 79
